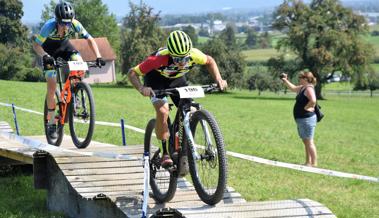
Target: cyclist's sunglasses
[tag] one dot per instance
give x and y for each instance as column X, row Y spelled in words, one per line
column 67, row 24
column 184, row 59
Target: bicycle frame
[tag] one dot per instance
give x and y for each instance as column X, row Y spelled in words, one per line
column 184, row 113
column 66, row 94
column 195, row 145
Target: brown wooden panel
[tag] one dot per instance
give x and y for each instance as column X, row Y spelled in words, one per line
column 102, row 164
column 100, row 171
column 83, row 178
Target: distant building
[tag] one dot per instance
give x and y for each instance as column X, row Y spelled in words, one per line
column 97, row 75
column 371, row 17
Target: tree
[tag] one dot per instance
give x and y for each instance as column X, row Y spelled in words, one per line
column 141, row 35
column 47, row 12
column 11, row 29
column 230, row 62
column 229, row 37
column 204, row 31
column 98, row 21
column 252, row 38
column 259, row 81
column 367, row 81
column 265, row 40
column 15, row 64
column 373, row 82
column 191, row 31
column 325, row 36
column 95, row 17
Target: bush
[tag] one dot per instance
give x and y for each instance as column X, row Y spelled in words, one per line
column 375, row 33
column 16, row 64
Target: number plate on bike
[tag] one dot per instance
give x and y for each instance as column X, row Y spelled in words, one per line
column 77, row 65
column 191, row 92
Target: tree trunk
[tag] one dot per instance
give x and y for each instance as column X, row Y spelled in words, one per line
column 318, row 91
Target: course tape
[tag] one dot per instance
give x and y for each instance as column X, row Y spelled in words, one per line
column 247, row 157
column 97, row 122
column 38, row 145
column 21, row 109
column 302, row 168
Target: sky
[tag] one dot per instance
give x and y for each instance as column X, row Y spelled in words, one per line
column 33, row 8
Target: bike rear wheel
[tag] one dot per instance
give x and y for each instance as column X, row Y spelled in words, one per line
column 162, row 181
column 209, row 172
column 82, row 115
column 60, row 127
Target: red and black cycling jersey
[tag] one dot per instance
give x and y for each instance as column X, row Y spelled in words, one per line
column 162, row 62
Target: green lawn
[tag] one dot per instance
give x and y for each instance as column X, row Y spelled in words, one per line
column 374, row 41
column 258, row 125
column 262, row 54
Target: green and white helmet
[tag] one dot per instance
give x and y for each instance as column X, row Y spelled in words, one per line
column 179, row 43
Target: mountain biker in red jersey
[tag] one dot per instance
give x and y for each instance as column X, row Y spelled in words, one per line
column 53, row 42
column 166, row 68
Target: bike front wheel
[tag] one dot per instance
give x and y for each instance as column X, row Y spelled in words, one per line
column 59, row 127
column 162, row 181
column 209, row 169
column 82, row 115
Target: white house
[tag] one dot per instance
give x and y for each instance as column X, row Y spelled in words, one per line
column 97, row 75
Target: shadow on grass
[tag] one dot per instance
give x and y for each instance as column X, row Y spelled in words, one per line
column 264, row 98
column 16, row 170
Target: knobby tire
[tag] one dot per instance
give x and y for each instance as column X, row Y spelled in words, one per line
column 82, row 142
column 215, row 133
column 159, row 194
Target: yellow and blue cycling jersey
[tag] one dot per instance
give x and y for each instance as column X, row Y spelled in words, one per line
column 50, row 31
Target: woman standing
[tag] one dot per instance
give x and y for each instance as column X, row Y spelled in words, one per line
column 304, row 114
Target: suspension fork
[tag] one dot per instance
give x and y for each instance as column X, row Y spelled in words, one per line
column 83, row 100
column 207, row 135
column 187, row 129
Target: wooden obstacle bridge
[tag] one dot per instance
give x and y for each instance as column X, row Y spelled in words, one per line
column 82, row 185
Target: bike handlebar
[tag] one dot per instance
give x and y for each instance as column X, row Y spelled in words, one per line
column 172, row 91
column 60, row 62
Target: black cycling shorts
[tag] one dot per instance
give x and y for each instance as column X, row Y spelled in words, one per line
column 156, row 81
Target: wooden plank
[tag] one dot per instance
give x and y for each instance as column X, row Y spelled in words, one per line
column 87, row 184
column 237, row 212
column 128, row 194
column 250, row 209
column 25, row 158
column 83, row 159
column 103, row 164
column 92, row 177
column 122, row 182
column 111, row 188
column 100, row 171
column 118, row 149
column 5, row 127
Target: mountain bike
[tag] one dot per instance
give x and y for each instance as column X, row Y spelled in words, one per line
column 195, row 142
column 74, row 102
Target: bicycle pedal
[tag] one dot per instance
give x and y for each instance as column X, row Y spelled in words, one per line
column 171, row 169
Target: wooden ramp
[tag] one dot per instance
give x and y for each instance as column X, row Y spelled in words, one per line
column 88, row 186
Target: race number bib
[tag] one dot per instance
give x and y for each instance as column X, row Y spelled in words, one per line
column 191, row 92
column 77, row 66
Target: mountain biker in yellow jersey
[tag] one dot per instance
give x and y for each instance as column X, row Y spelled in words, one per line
column 166, row 68
column 53, row 42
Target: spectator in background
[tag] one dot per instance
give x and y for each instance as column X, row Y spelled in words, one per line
column 303, row 112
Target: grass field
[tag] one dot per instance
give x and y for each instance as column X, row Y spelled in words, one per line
column 262, row 54
column 258, row 125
